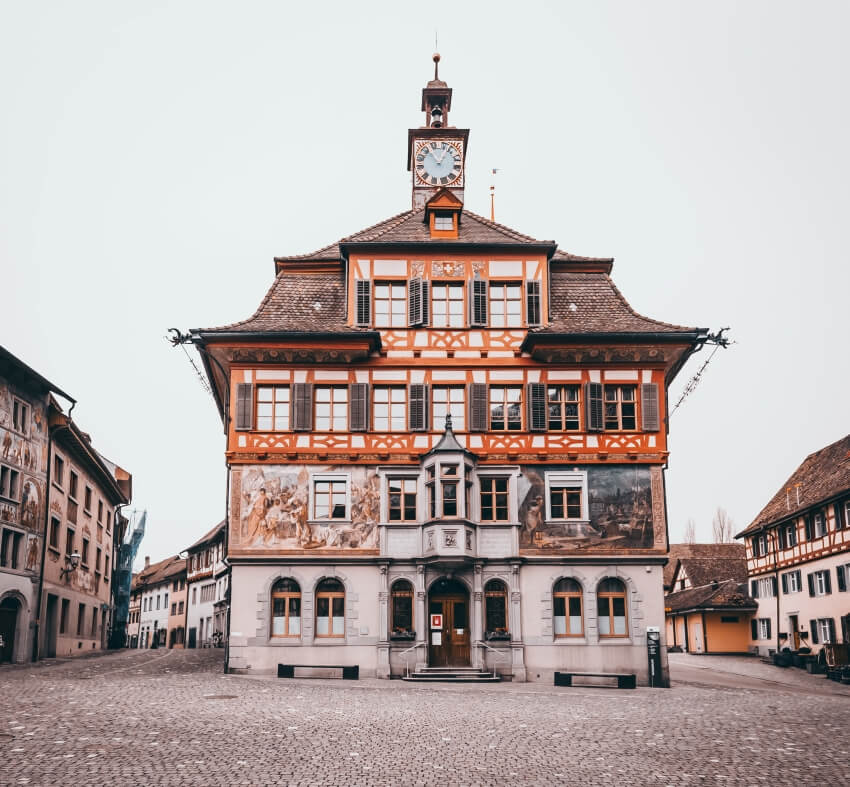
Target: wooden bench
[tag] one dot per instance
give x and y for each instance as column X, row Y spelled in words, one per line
column 348, row 673
column 624, row 680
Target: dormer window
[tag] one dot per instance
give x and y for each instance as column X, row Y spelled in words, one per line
column 444, row 221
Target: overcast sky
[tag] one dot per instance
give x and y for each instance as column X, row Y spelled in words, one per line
column 154, row 157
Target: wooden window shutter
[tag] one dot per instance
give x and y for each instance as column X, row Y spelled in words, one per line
column 781, row 533
column 478, row 407
column 842, row 582
column 773, row 585
column 649, row 407
column 840, row 524
column 808, row 520
column 593, row 402
column 799, row 578
column 811, row 578
column 302, row 410
column 532, row 302
column 827, row 581
column 358, row 407
column 244, row 406
column 417, row 399
column 754, row 588
column 478, row 303
column 537, row 407
column 363, row 297
column 768, row 628
column 426, row 302
column 830, row 622
column 414, row 302
column 813, row 630
column 754, row 628
column 785, row 584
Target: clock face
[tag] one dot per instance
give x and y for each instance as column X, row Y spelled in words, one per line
column 438, row 163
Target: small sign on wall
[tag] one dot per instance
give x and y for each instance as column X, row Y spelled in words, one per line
column 436, row 637
column 436, row 621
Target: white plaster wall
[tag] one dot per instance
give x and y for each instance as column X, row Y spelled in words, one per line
column 251, row 647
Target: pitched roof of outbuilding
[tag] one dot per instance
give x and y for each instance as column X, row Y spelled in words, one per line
column 730, row 594
column 158, row 573
column 701, row 571
column 703, row 551
column 822, row 475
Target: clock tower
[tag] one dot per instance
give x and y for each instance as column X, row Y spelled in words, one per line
column 436, row 152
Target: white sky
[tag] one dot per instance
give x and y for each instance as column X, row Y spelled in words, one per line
column 155, row 156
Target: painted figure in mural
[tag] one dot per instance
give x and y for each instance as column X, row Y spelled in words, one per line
column 533, row 518
column 257, row 515
column 32, row 553
column 29, row 506
column 7, row 444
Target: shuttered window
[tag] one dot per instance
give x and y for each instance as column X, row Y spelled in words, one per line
column 302, row 412
column 331, row 411
column 445, row 400
column 244, row 406
column 391, row 304
column 359, row 407
column 505, row 304
column 363, row 304
column 506, row 408
column 649, row 407
column 620, row 408
column 389, row 408
column 532, row 302
column 478, row 302
column 478, row 407
column 563, row 403
column 536, row 397
column 272, row 408
column 593, row 400
column 446, row 305
column 418, row 407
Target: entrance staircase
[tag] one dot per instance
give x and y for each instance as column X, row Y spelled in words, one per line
column 452, row 675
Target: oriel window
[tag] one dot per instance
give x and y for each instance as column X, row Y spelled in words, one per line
column 331, row 408
column 390, row 304
column 567, row 609
column 496, row 608
column 402, row 608
column 505, row 304
column 611, row 608
column 273, row 408
column 505, row 408
column 620, row 408
column 563, row 408
column 494, row 499
column 448, row 488
column 286, row 608
column 402, row 502
column 330, row 608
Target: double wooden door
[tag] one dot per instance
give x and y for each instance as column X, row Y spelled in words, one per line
column 449, row 646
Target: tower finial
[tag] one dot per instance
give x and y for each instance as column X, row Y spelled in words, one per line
column 436, row 59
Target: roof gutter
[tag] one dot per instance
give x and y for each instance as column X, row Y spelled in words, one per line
column 202, row 337
column 668, row 337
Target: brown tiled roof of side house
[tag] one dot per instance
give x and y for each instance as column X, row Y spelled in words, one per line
column 705, row 551
column 730, row 594
column 702, row 570
column 210, row 535
column 823, row 475
column 158, row 573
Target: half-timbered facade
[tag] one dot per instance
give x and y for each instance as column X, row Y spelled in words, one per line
column 798, row 556
column 441, row 416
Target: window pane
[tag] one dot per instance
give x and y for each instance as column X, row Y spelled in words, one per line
column 496, row 613
column 460, row 615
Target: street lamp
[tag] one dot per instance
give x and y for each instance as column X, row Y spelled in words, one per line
column 71, row 563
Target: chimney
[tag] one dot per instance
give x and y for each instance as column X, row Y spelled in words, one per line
column 147, row 561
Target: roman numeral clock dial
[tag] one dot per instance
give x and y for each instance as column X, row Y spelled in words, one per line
column 438, row 163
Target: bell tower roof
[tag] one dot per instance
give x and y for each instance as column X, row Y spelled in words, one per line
column 436, row 99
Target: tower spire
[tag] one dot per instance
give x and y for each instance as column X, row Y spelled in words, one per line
column 436, row 59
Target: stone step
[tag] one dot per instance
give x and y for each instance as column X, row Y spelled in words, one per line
column 480, row 677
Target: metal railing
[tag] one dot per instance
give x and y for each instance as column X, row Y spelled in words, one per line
column 407, row 661
column 498, row 653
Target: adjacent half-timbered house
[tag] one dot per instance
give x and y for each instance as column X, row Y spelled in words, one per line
column 798, row 556
column 446, row 442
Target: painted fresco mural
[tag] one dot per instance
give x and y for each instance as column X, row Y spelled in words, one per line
column 620, row 507
column 270, row 510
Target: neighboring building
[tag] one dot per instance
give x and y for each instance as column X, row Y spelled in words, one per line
column 127, row 548
column 154, row 586
column 24, row 396
column 86, row 492
column 134, row 610
column 701, row 551
column 441, row 416
column 708, row 610
column 798, row 556
column 208, row 575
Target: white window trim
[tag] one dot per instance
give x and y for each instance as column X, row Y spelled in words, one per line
column 765, row 587
column 495, row 471
column 823, row 525
column 387, row 473
column 330, row 477
column 763, row 623
column 823, row 630
column 820, row 583
column 576, row 479
column 793, row 577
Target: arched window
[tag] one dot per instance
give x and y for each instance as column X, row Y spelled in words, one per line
column 402, row 609
column 496, row 610
column 567, row 607
column 286, row 608
column 330, row 608
column 611, row 608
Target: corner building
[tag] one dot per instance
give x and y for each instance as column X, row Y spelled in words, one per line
column 442, row 416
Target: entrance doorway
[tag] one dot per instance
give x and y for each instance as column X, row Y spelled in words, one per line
column 449, row 646
column 9, row 610
column 51, row 626
column 795, row 631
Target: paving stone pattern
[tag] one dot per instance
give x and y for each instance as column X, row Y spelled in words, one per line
column 172, row 718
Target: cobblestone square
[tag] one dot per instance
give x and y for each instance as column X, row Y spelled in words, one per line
column 172, row 718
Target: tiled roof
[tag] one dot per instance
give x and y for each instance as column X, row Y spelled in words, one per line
column 702, row 570
column 720, row 595
column 591, row 303
column 210, row 535
column 705, row 551
column 160, row 572
column 410, row 227
column 822, row 475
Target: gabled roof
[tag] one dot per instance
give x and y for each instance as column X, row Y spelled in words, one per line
column 702, row 570
column 729, row 595
column 208, row 537
column 823, row 475
column 12, row 365
column 705, row 551
column 157, row 573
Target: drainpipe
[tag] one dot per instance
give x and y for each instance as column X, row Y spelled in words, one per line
column 776, row 580
column 229, row 574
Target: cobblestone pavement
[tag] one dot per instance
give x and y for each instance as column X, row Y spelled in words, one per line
column 173, row 718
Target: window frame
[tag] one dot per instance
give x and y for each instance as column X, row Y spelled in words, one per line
column 505, row 300
column 397, row 592
column 819, row 523
column 330, row 477
column 763, row 628
column 619, row 402
column 21, row 415
column 390, row 282
column 504, row 593
column 820, row 582
column 287, row 595
column 793, row 578
column 492, row 478
column 567, row 595
column 457, row 409
column 389, row 404
column 505, row 404
column 330, row 595
column 824, row 630
column 562, row 402
column 274, row 403
column 567, row 479
column 57, row 477
column 611, row 596
column 450, row 285
column 405, row 480
column 12, row 485
column 333, row 389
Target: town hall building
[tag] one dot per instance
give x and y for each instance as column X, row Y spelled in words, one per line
column 446, row 444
